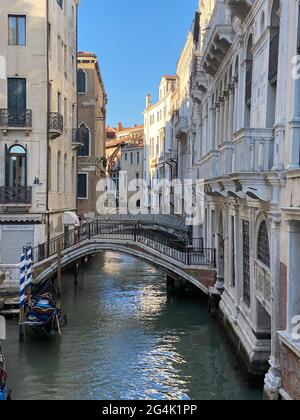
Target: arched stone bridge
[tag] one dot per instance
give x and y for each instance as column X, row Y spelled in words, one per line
column 176, row 256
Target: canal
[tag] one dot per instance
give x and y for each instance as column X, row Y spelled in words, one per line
column 127, row 340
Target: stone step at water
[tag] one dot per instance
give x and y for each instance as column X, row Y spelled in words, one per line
column 11, row 303
column 10, row 313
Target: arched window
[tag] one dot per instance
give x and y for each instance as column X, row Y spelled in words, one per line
column 263, row 246
column 16, row 167
column 81, row 81
column 73, row 175
column 49, row 169
column 59, row 172
column 84, row 150
column 66, row 175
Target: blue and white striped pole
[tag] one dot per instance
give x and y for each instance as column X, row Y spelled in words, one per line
column 22, row 280
column 29, row 273
column 29, row 267
column 22, row 296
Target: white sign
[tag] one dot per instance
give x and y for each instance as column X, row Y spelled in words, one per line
column 18, row 228
column 2, row 328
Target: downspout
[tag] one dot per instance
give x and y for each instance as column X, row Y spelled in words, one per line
column 48, row 115
column 77, row 109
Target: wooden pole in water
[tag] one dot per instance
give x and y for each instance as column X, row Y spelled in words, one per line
column 58, row 275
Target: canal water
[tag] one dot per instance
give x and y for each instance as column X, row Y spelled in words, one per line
column 127, row 340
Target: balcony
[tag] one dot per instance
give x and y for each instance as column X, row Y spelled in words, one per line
column 56, row 125
column 10, row 120
column 254, row 150
column 77, row 138
column 181, row 127
column 239, row 8
column 11, row 196
column 218, row 39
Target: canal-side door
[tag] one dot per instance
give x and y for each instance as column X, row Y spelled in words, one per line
column 14, row 238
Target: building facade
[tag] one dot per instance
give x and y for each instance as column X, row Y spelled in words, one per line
column 124, row 153
column 38, row 48
column 246, row 113
column 159, row 148
column 92, row 101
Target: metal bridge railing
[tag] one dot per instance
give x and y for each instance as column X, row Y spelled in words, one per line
column 186, row 252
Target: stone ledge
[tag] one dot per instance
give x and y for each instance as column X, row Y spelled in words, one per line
column 286, row 339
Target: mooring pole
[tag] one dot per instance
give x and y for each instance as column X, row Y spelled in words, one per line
column 58, row 274
column 22, row 295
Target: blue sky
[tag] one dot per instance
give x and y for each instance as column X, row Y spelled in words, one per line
column 137, row 41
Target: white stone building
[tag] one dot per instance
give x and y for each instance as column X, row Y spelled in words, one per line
column 38, row 112
column 160, row 150
column 246, row 111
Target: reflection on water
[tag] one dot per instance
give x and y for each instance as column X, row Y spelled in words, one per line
column 126, row 340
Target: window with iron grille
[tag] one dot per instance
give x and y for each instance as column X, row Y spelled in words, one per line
column 233, row 250
column 246, row 262
column 263, row 246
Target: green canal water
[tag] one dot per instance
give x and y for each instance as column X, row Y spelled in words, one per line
column 126, row 339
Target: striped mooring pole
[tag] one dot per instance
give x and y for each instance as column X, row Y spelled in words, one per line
column 22, row 296
column 28, row 273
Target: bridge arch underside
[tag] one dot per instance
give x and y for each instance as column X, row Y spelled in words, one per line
column 48, row 269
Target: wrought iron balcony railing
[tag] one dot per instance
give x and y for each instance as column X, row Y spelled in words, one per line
column 56, row 124
column 15, row 195
column 18, row 119
column 77, row 137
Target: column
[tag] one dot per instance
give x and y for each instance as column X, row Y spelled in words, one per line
column 217, row 106
column 236, row 104
column 212, row 128
column 226, row 116
column 273, row 378
column 238, row 262
column 231, row 113
column 221, row 122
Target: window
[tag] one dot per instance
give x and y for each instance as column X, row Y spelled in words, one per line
column 16, row 167
column 131, row 158
column 66, row 173
column 138, row 158
column 82, row 186
column 60, row 3
column 246, row 262
column 126, row 157
column 16, row 98
column 263, row 246
column 17, row 30
column 81, row 82
column 58, row 173
column 84, row 150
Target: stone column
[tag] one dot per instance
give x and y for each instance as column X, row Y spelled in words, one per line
column 226, row 116
column 236, row 104
column 212, row 128
column 238, row 262
column 217, row 124
column 221, row 122
column 230, row 113
column 273, row 378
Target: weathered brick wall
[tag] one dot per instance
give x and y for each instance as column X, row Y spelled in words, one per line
column 205, row 277
column 290, row 366
column 283, row 296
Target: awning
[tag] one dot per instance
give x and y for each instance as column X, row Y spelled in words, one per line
column 71, row 219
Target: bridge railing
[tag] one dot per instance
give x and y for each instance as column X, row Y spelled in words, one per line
column 188, row 253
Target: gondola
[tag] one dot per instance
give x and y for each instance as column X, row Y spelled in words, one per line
column 4, row 392
column 43, row 316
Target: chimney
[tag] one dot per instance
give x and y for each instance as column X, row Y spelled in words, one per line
column 120, row 126
column 148, row 101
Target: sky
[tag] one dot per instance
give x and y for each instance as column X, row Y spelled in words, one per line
column 137, row 42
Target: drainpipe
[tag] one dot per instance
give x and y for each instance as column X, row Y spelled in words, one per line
column 48, row 115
